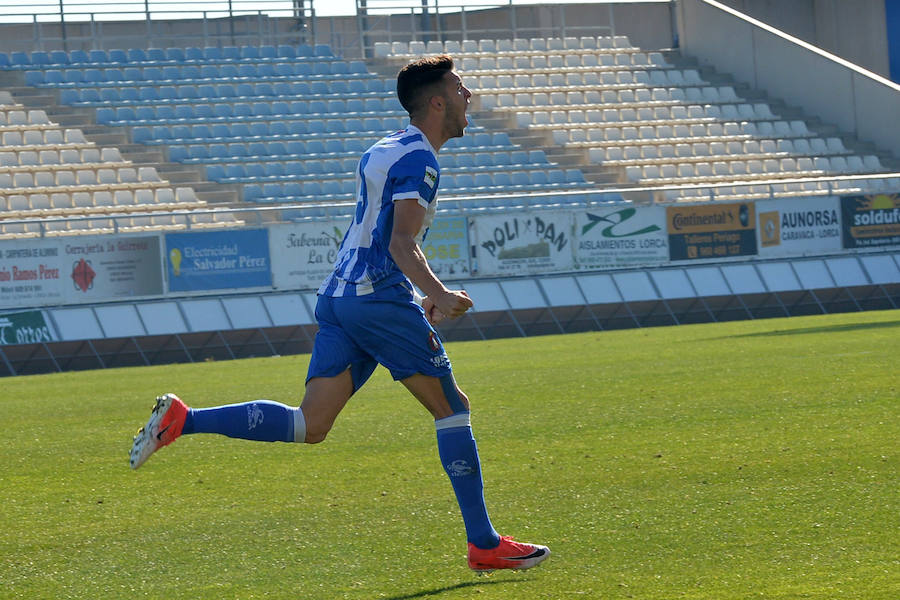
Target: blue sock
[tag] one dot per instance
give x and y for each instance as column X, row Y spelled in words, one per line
column 459, row 454
column 262, row 420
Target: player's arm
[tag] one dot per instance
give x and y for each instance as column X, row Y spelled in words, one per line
column 409, row 216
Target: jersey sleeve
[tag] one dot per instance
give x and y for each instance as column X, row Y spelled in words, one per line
column 415, row 177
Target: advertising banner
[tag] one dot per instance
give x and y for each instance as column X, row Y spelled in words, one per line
column 102, row 268
column 31, row 273
column 447, row 247
column 24, row 328
column 871, row 221
column 798, row 226
column 216, row 260
column 523, row 243
column 711, row 231
column 615, row 237
column 303, row 253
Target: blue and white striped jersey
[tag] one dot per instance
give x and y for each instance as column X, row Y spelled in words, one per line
column 400, row 166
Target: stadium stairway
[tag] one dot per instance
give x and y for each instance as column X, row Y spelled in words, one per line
column 84, row 118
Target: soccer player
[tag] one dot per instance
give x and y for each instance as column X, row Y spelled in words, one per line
column 368, row 313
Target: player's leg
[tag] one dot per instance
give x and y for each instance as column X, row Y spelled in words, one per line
column 336, row 370
column 459, row 455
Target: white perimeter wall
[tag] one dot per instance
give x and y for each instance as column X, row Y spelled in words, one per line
column 838, row 92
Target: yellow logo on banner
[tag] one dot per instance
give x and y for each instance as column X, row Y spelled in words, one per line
column 770, row 228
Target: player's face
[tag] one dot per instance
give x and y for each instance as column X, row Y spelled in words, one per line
column 457, row 96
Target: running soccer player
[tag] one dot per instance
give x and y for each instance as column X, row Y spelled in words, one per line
column 368, row 313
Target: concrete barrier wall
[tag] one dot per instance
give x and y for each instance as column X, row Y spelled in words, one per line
column 856, row 100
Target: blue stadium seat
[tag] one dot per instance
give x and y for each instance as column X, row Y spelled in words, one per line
column 184, row 111
column 20, row 59
column 247, row 70
column 286, row 51
column 311, row 188
column 136, row 55
column 165, row 112
column 252, row 192
column 292, row 189
column 212, row 53
column 34, row 78
column 177, row 153
column 277, row 148
column 223, row 111
column 265, row 70
column 256, row 171
column 539, row 177
column 555, row 176
column 240, row 130
column 161, row 132
column 272, row 190
column 207, row 91
column 203, row 111
column 190, row 72
column 148, row 93
column 274, row 169
column 57, row 57
column 167, row 92
column 242, row 109
column 278, row 128
column 220, row 130
column 71, row 76
column 79, row 57
column 129, row 94
column 215, row 172
column 245, row 90
column 295, row 169
column 209, row 71
column 268, row 52
column 194, row 54
column 259, row 129
column 248, row 52
column 574, row 176
column 198, row 151
column 116, row 56
column 323, row 50
column 220, row 151
column 182, row 132
column 156, row 54
column 298, row 127
column 201, row 131
column 176, row 54
column 236, row 171
column 502, row 179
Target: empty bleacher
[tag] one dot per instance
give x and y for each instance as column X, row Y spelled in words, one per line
column 53, row 181
column 648, row 122
column 285, row 123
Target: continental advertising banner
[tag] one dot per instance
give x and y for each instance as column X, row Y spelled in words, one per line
column 871, row 221
column 712, row 231
column 522, row 243
column 31, row 273
column 303, row 253
column 216, row 260
column 447, row 247
column 24, row 328
column 798, row 226
column 101, row 268
column 616, row 237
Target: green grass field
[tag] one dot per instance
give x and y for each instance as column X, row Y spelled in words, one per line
column 740, row 460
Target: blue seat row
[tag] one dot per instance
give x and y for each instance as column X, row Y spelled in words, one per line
column 161, row 56
column 167, row 94
column 502, row 181
column 277, row 172
column 303, row 145
column 196, row 74
column 180, row 114
column 307, row 191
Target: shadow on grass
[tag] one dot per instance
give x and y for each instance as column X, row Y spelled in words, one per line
column 824, row 329
column 449, row 588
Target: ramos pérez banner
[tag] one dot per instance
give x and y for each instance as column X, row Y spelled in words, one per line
column 871, row 221
column 711, row 231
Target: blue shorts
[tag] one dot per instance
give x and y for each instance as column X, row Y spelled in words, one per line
column 386, row 327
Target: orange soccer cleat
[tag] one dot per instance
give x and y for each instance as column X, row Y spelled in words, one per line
column 165, row 424
column 510, row 554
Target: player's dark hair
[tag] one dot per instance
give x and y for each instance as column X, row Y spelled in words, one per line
column 417, row 81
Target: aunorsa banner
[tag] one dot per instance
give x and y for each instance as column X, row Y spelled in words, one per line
column 519, row 243
column 711, row 231
column 27, row 327
column 871, row 221
column 303, row 253
column 798, row 226
column 216, row 260
column 615, row 237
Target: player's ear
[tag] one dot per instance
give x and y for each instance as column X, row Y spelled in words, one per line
column 437, row 102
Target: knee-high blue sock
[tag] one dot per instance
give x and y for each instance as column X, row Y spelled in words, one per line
column 459, row 454
column 262, row 420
